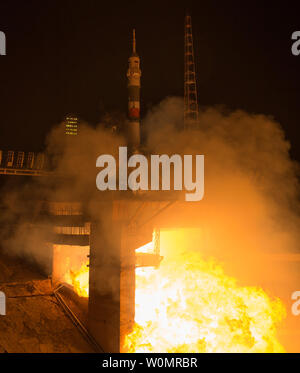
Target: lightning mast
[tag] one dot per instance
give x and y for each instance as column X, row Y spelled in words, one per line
column 190, row 85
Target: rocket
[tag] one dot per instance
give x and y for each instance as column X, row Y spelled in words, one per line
column 134, row 87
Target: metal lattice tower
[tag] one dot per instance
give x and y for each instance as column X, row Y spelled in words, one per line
column 190, row 86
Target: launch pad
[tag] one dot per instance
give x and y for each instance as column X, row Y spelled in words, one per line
column 106, row 239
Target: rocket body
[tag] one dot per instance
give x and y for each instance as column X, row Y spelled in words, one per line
column 134, row 87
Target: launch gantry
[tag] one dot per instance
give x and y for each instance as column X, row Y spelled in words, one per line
column 190, row 85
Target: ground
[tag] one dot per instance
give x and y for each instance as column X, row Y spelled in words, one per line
column 34, row 320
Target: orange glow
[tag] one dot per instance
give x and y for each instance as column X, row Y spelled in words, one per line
column 79, row 280
column 190, row 305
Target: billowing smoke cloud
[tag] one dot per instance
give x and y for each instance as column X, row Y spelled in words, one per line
column 74, row 159
column 251, row 204
column 249, row 217
column 26, row 230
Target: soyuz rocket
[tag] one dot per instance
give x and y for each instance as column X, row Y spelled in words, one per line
column 134, row 87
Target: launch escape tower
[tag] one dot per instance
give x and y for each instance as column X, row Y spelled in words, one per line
column 190, row 86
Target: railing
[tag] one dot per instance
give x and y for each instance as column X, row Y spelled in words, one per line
column 19, row 171
column 23, row 163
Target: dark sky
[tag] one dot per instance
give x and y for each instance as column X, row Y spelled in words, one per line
column 71, row 56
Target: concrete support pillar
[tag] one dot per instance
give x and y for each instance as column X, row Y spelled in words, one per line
column 112, row 280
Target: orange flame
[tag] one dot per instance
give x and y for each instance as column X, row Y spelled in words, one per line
column 80, row 280
column 190, row 305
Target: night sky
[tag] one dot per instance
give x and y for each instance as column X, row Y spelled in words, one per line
column 71, row 56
